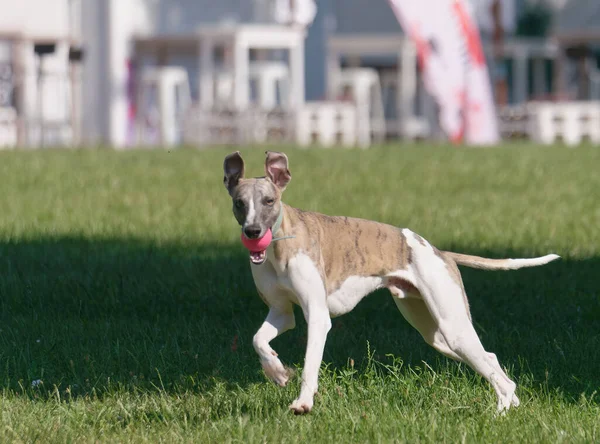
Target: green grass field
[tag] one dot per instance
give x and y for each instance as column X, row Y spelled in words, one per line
column 127, row 308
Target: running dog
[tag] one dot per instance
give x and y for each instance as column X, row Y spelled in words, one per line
column 326, row 265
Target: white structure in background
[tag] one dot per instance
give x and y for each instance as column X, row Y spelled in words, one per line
column 571, row 122
column 111, row 26
column 108, row 30
column 270, row 84
column 302, row 14
column 327, row 124
column 406, row 123
column 164, row 99
column 43, row 90
column 244, row 100
column 8, row 127
column 236, row 42
column 363, row 88
column 225, row 85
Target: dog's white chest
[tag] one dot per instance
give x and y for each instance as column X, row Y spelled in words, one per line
column 276, row 284
column 272, row 284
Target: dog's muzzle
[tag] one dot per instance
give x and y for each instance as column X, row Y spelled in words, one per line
column 258, row 247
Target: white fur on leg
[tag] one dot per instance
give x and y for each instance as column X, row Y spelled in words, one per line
column 308, row 286
column 513, row 400
column 317, row 335
column 275, row 370
column 301, row 406
column 277, row 322
column 444, row 299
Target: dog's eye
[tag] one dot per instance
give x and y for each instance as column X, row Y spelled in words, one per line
column 239, row 203
column 269, row 201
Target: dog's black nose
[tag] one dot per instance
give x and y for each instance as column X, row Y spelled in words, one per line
column 252, row 231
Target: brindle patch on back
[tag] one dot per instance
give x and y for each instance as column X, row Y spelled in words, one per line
column 342, row 246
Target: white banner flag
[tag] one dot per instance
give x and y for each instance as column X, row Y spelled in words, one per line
column 453, row 66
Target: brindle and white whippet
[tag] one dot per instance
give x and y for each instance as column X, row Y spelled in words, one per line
column 326, row 265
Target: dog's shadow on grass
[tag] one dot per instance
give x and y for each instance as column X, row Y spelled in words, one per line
column 86, row 316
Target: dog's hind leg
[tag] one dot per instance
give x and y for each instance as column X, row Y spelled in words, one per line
column 279, row 320
column 416, row 313
column 463, row 340
column 493, row 359
column 445, row 300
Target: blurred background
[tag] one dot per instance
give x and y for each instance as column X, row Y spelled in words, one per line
column 128, row 73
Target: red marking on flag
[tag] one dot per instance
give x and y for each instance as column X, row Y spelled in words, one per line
column 423, row 49
column 470, row 33
column 457, row 137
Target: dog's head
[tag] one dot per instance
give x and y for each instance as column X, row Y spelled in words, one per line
column 256, row 201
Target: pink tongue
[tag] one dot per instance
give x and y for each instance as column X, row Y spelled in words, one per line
column 259, row 244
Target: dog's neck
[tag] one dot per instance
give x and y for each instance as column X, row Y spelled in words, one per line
column 277, row 225
column 278, row 228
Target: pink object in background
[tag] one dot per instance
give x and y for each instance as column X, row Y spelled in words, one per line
column 453, row 66
column 131, row 105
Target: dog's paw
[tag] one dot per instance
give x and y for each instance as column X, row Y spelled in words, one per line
column 506, row 403
column 276, row 372
column 515, row 401
column 301, row 406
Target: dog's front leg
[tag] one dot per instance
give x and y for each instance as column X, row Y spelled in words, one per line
column 310, row 290
column 319, row 324
column 279, row 320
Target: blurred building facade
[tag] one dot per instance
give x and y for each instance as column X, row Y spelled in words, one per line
column 66, row 65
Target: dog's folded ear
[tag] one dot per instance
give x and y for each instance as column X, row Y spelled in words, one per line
column 276, row 168
column 233, row 167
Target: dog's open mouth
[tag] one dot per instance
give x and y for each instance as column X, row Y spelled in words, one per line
column 258, row 246
column 258, row 257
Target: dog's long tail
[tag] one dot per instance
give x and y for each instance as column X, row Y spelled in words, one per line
column 499, row 264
